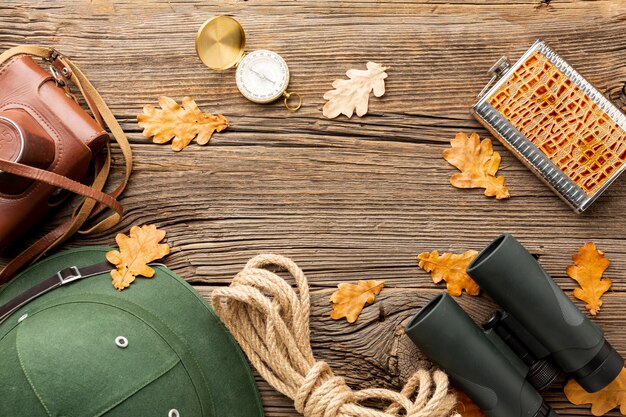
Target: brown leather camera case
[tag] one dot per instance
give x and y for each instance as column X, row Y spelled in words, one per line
column 47, row 145
column 42, row 108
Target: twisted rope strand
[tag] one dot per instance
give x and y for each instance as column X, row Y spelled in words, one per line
column 270, row 320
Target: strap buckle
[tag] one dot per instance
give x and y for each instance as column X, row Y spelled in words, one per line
column 56, row 60
column 68, row 275
column 54, row 54
column 51, row 59
column 58, row 78
column 61, row 80
column 60, row 72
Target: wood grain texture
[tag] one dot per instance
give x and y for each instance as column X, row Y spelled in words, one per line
column 347, row 199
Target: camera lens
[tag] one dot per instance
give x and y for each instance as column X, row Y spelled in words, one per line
column 11, row 140
column 22, row 140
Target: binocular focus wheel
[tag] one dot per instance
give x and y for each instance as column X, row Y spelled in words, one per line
column 542, row 374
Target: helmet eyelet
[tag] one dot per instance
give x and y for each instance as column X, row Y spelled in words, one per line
column 121, row 342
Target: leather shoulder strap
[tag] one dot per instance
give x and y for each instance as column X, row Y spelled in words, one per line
column 62, row 182
column 65, row 70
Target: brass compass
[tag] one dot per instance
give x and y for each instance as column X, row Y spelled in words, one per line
column 262, row 76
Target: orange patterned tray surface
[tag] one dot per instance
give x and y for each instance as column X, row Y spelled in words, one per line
column 560, row 120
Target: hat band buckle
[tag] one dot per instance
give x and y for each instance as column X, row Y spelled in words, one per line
column 68, row 275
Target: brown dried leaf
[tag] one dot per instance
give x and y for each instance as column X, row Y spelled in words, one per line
column 603, row 401
column 451, row 268
column 354, row 93
column 183, row 123
column 478, row 163
column 466, row 407
column 589, row 265
column 136, row 251
column 349, row 299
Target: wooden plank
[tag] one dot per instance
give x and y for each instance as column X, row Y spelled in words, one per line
column 346, row 199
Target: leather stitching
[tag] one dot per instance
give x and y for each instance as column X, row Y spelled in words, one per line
column 8, row 64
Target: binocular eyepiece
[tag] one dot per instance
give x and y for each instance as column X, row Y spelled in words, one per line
column 520, row 350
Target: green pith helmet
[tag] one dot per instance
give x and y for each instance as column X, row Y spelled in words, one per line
column 84, row 349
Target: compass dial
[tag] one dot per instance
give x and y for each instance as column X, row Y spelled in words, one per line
column 262, row 76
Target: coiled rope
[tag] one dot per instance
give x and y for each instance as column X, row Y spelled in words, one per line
column 271, row 323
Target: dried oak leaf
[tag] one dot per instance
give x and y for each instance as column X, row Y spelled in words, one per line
column 478, row 163
column 136, row 251
column 183, row 123
column 589, row 265
column 349, row 299
column 603, row 401
column 451, row 268
column 466, row 407
column 353, row 94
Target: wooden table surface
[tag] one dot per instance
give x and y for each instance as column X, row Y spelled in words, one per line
column 347, row 199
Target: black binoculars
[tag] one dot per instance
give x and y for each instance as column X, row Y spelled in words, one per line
column 520, row 350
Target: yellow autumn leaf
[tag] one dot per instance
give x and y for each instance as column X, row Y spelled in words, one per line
column 478, row 163
column 603, row 401
column 181, row 123
column 135, row 252
column 589, row 265
column 353, row 94
column 349, row 299
column 451, row 268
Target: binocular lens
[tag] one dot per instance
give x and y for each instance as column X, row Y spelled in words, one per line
column 515, row 280
column 446, row 334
